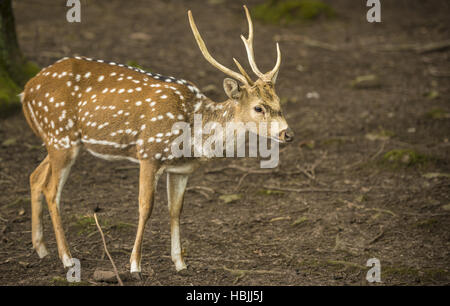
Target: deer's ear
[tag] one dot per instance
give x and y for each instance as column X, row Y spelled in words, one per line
column 232, row 89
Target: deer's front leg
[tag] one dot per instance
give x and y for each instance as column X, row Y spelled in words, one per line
column 176, row 185
column 148, row 178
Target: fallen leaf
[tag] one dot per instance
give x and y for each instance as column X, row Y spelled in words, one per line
column 229, row 198
column 366, row 81
column 140, row 36
column 376, row 136
column 300, row 220
column 313, row 95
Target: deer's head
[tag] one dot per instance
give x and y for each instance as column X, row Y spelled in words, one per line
column 255, row 101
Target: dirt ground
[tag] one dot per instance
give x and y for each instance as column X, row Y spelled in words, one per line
column 335, row 201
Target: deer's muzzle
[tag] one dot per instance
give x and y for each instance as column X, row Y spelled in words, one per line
column 287, row 135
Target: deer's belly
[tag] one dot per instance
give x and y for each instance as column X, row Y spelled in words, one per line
column 110, row 150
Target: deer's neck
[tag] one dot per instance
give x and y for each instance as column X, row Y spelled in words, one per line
column 220, row 112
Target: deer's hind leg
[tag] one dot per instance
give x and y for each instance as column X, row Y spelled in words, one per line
column 60, row 163
column 39, row 179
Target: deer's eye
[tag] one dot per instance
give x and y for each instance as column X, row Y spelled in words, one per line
column 258, row 109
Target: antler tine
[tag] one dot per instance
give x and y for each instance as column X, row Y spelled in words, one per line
column 272, row 75
column 207, row 55
column 249, row 45
column 243, row 72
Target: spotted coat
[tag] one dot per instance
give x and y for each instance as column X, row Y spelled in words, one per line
column 114, row 110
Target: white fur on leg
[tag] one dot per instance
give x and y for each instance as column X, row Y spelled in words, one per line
column 41, row 250
column 179, row 264
column 64, row 174
column 135, row 267
column 67, row 261
column 38, row 243
column 176, row 248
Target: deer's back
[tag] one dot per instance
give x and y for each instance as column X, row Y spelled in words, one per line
column 113, row 109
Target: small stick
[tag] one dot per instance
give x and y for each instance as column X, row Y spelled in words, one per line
column 240, row 181
column 375, row 239
column 243, row 169
column 106, row 250
column 201, row 188
column 379, row 151
column 305, row 189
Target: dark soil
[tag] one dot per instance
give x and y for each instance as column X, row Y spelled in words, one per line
column 352, row 204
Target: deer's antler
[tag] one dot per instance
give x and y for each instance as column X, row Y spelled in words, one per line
column 248, row 42
column 201, row 44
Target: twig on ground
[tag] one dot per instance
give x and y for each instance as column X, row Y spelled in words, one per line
column 8, row 177
column 246, row 171
column 243, row 169
column 375, row 239
column 106, row 251
column 240, row 181
column 434, row 46
column 379, row 151
column 202, row 190
column 310, row 169
column 438, row 73
column 383, row 144
column 383, row 210
column 304, row 190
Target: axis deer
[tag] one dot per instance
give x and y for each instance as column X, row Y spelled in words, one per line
column 119, row 112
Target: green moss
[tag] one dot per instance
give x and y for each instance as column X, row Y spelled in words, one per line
column 136, row 65
column 289, row 11
column 432, row 94
column 31, row 69
column 87, row 225
column 437, row 113
column 428, row 274
column 270, row 192
column 122, row 226
column 9, row 99
column 405, row 157
column 9, row 90
column 361, row 198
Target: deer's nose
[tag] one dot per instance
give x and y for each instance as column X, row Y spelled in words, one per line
column 287, row 135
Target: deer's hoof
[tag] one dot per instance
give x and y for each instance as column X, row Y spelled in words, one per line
column 137, row 276
column 67, row 261
column 41, row 250
column 186, row 271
